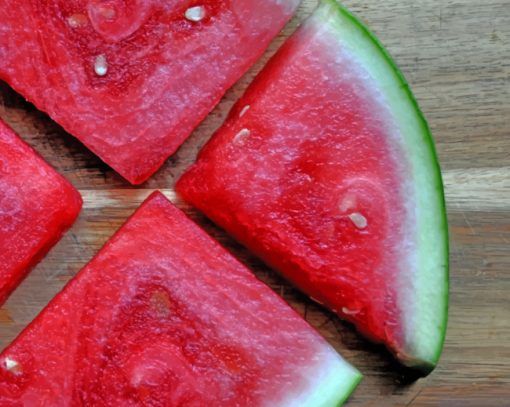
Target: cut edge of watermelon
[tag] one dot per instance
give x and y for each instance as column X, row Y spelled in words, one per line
column 68, row 217
column 425, row 327
column 332, row 379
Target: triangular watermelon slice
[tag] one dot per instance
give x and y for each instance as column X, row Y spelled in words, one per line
column 326, row 168
column 132, row 79
column 37, row 205
column 164, row 316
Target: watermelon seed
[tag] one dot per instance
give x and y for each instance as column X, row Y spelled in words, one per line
column 239, row 137
column 359, row 220
column 347, row 203
column 101, row 65
column 245, row 109
column 348, row 311
column 77, row 20
column 11, row 365
column 195, row 14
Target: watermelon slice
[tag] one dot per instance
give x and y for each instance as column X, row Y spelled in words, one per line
column 164, row 316
column 37, row 206
column 326, row 169
column 132, row 79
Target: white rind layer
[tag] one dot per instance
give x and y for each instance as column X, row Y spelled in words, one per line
column 423, row 285
column 330, row 381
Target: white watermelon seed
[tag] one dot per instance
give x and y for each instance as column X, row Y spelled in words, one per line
column 10, row 364
column 348, row 311
column 101, row 65
column 348, row 202
column 77, row 20
column 359, row 220
column 245, row 109
column 239, row 137
column 195, row 14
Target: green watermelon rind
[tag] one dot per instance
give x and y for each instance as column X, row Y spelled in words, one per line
column 340, row 380
column 425, row 345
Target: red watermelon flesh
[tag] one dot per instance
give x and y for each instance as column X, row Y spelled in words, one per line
column 327, row 170
column 164, row 316
column 131, row 79
column 37, row 205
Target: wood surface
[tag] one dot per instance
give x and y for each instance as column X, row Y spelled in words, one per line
column 456, row 56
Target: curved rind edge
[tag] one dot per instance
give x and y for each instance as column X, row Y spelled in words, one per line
column 334, row 14
column 332, row 382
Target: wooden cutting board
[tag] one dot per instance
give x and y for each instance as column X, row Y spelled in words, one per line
column 456, row 56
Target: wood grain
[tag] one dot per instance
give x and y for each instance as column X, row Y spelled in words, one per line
column 456, row 55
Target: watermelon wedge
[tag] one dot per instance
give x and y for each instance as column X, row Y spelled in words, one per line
column 164, row 316
column 37, row 205
column 132, row 79
column 326, row 169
